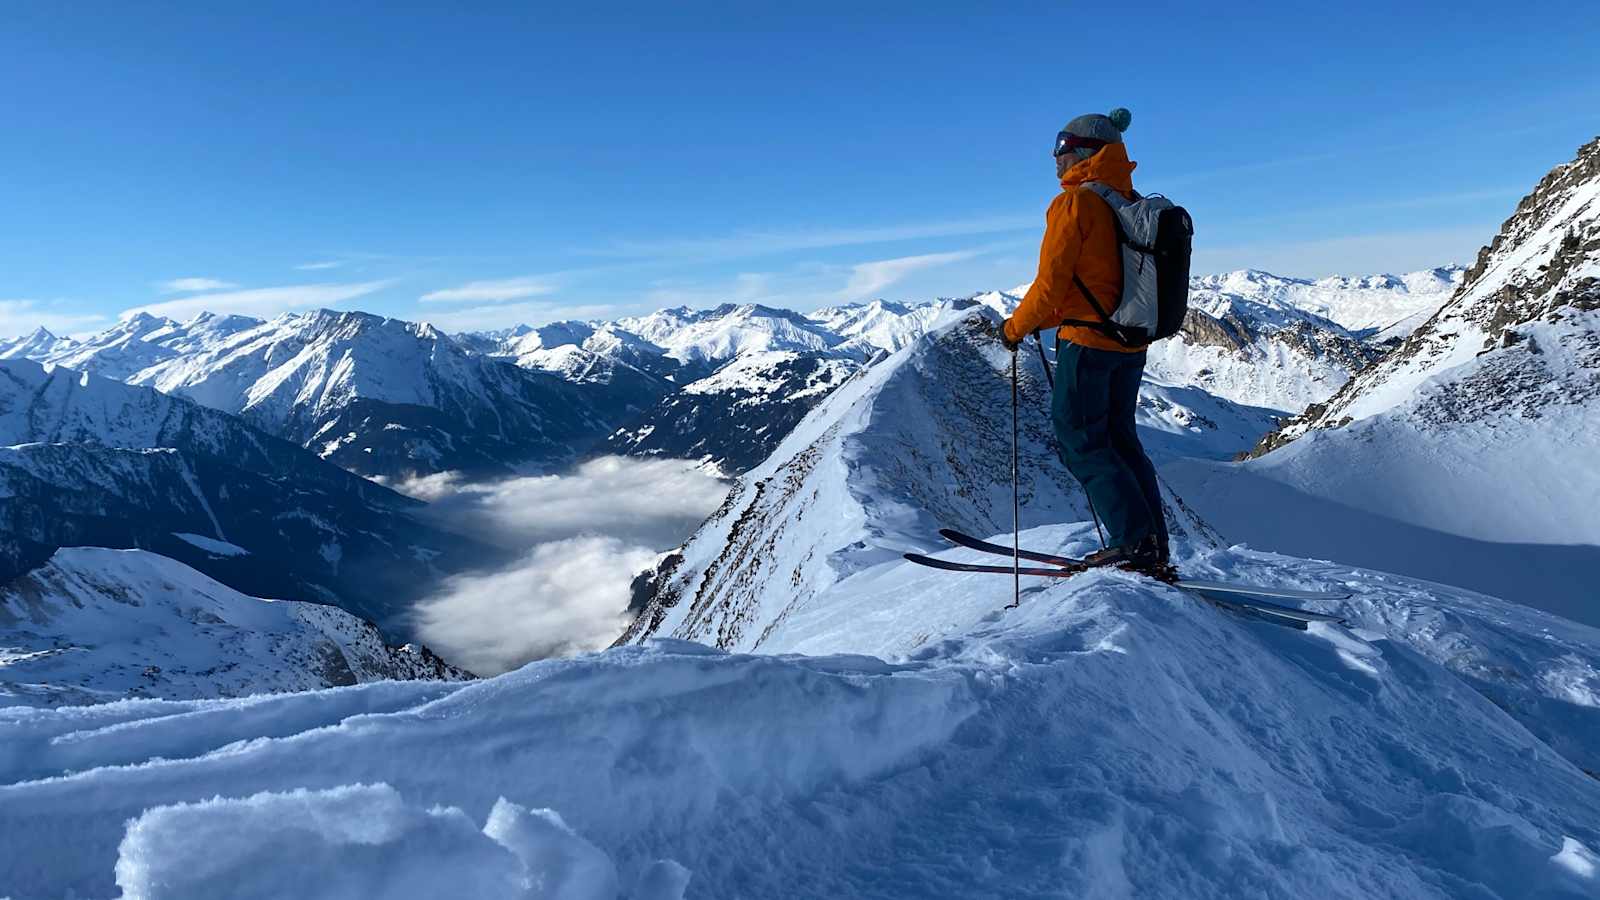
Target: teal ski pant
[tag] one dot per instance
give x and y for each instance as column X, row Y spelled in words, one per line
column 1096, row 394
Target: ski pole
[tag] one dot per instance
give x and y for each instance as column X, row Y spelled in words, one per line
column 1096, row 516
column 1016, row 501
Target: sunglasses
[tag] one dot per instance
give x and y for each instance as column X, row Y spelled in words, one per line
column 1066, row 142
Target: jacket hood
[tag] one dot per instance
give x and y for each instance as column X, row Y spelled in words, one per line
column 1110, row 167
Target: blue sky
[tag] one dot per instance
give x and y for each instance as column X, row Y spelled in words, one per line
column 519, row 163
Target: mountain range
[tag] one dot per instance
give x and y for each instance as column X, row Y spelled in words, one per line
column 87, row 461
column 390, row 398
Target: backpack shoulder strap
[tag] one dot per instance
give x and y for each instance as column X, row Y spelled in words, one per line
column 1110, row 195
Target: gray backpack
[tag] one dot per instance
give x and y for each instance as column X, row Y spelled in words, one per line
column 1154, row 238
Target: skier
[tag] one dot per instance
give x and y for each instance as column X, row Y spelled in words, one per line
column 1097, row 382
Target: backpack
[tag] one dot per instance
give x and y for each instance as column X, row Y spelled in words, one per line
column 1154, row 239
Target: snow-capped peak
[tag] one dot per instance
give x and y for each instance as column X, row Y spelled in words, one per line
column 40, row 343
column 719, row 334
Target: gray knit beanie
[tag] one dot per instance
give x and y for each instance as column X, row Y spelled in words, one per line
column 1108, row 128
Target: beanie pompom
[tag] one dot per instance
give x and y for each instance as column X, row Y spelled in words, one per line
column 1121, row 118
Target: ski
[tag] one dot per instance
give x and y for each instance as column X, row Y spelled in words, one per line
column 967, row 540
column 1259, row 609
column 952, row 566
column 1234, row 596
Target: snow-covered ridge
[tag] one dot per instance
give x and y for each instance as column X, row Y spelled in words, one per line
column 37, row 345
column 383, row 396
column 915, row 442
column 1546, row 257
column 95, row 624
column 1365, row 305
column 878, row 324
column 726, row 331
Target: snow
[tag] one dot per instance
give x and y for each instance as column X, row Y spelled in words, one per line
column 1465, row 455
column 211, row 545
column 96, row 624
column 910, row 444
column 900, row 733
column 879, row 324
column 1580, row 859
column 1110, row 736
column 1363, row 304
column 719, row 334
column 760, row 374
column 36, row 345
column 356, row 840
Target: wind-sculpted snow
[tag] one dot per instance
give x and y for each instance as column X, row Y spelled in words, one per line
column 354, row 841
column 631, row 749
column 94, row 625
column 1111, row 737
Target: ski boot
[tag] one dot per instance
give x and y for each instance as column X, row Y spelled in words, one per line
column 1147, row 557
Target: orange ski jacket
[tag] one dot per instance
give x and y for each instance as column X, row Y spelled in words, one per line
column 1080, row 238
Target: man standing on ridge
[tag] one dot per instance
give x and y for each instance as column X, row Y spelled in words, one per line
column 1097, row 376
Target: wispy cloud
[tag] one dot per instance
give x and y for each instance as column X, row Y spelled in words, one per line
column 320, row 266
column 261, row 302
column 21, row 316
column 497, row 291
column 188, row 285
column 757, row 243
column 868, row 278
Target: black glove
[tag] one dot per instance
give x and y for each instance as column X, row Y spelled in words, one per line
column 1010, row 344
